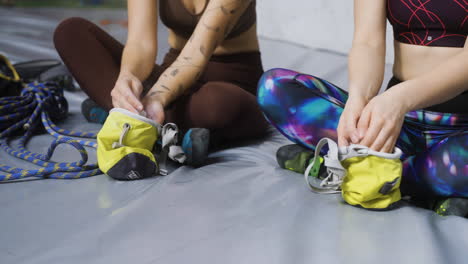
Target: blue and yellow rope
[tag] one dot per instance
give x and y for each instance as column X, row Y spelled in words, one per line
column 26, row 113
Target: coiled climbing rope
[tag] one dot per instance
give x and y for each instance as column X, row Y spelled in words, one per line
column 34, row 110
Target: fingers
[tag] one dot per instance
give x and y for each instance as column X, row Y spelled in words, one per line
column 354, row 137
column 363, row 124
column 137, row 87
column 343, row 138
column 389, row 146
column 125, row 95
column 157, row 118
column 384, row 135
column 155, row 111
column 118, row 100
column 372, row 132
column 133, row 94
column 378, row 126
column 347, row 129
column 351, row 129
column 132, row 100
column 342, row 142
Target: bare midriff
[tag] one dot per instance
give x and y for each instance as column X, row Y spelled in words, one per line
column 412, row 61
column 245, row 42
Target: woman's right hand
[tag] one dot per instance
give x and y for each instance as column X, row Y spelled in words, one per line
column 126, row 93
column 347, row 126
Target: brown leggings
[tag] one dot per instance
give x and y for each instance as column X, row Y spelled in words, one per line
column 222, row 100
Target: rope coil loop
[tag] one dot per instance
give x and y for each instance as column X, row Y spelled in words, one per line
column 36, row 109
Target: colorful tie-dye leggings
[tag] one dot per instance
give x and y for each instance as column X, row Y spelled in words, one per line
column 305, row 109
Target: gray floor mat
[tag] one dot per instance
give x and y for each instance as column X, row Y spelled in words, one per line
column 240, row 208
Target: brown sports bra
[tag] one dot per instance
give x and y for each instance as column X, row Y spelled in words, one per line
column 176, row 17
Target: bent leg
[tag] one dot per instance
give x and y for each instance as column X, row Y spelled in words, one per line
column 92, row 56
column 306, row 108
column 441, row 170
column 302, row 107
column 230, row 112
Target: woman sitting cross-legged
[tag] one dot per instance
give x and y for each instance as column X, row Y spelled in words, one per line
column 206, row 83
column 424, row 110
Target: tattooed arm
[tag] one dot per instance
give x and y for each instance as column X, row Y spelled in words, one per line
column 214, row 25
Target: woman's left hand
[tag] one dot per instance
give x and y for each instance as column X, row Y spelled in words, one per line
column 154, row 109
column 381, row 120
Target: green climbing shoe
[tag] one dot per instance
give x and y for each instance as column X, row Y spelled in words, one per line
column 296, row 158
column 452, row 206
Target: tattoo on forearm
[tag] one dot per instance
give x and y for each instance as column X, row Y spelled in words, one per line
column 155, row 93
column 203, row 50
column 165, row 87
column 225, row 7
column 215, row 29
column 175, row 72
column 184, row 63
column 225, row 10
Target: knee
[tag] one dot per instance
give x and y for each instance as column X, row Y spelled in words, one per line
column 68, row 30
column 271, row 83
column 440, row 168
column 216, row 104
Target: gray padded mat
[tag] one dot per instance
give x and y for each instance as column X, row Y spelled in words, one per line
column 240, row 208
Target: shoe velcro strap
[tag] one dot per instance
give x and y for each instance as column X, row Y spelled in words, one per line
column 170, row 149
column 335, row 171
column 176, row 153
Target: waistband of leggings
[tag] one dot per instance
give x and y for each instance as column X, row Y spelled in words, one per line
column 456, row 121
column 431, row 117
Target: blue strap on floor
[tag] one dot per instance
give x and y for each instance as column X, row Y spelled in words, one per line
column 39, row 104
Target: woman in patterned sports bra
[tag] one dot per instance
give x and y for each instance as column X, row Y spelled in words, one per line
column 424, row 113
column 206, row 83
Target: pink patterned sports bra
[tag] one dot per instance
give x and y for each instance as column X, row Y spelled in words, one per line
column 442, row 23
